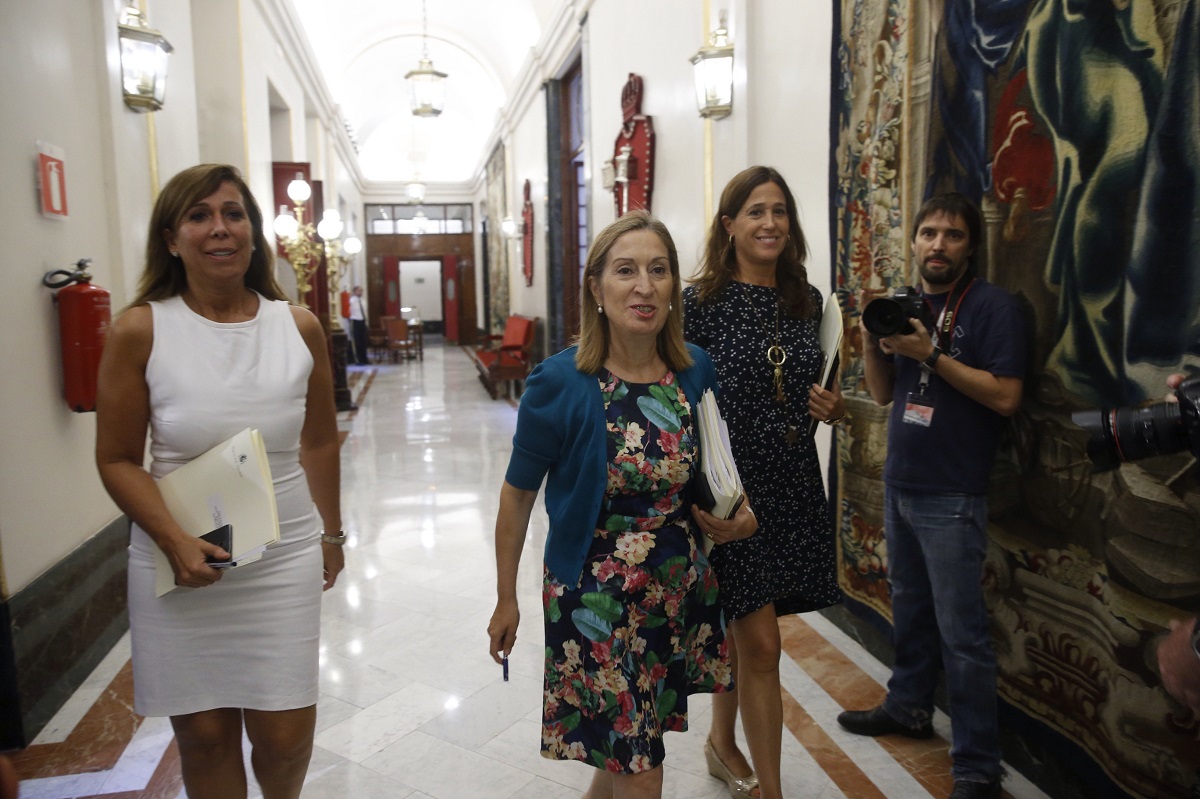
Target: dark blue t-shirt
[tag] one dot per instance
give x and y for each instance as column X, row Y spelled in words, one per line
column 956, row 452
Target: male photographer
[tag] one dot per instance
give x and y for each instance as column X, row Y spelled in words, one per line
column 1179, row 654
column 951, row 383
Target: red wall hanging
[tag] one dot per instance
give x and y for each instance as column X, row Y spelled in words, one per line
column 633, row 154
column 527, row 237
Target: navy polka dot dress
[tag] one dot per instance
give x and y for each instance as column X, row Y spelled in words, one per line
column 790, row 560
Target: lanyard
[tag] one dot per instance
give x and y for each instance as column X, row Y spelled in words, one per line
column 944, row 329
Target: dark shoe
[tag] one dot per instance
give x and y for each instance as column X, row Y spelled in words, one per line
column 877, row 721
column 976, row 790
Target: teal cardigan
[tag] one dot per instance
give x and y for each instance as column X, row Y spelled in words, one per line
column 561, row 432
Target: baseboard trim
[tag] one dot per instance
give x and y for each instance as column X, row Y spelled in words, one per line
column 62, row 625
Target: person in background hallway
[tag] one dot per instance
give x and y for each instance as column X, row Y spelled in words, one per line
column 632, row 619
column 358, row 326
column 209, row 347
column 951, row 389
column 752, row 295
column 1179, row 654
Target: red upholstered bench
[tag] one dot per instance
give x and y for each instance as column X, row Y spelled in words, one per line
column 508, row 357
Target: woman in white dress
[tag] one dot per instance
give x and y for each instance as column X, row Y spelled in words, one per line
column 209, row 347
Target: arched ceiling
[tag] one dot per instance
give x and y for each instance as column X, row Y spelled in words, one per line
column 365, row 47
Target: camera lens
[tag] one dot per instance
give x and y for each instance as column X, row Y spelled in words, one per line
column 884, row 316
column 1129, row 434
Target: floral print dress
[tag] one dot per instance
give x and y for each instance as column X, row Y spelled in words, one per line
column 643, row 630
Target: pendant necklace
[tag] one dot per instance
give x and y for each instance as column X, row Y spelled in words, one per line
column 775, row 353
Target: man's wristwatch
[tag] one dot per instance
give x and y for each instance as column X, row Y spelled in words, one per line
column 932, row 360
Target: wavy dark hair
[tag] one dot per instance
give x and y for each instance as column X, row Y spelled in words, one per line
column 719, row 261
column 163, row 275
column 954, row 204
column 593, row 326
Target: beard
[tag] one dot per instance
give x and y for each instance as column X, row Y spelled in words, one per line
column 952, row 273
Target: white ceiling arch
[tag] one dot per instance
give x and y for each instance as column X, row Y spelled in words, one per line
column 365, row 47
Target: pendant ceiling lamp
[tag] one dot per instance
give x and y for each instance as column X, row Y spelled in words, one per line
column 426, row 84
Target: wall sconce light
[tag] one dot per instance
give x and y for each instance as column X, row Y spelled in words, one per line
column 712, row 68
column 511, row 228
column 330, row 229
column 143, row 61
column 428, row 86
column 296, row 236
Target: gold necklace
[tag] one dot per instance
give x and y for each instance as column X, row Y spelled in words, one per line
column 775, row 353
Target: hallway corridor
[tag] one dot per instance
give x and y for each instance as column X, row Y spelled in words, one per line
column 411, row 705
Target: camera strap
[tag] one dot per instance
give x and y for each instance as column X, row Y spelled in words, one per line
column 944, row 329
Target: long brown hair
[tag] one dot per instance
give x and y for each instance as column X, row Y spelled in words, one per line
column 163, row 275
column 593, row 326
column 719, row 261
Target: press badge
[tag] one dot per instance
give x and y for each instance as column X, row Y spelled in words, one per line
column 918, row 409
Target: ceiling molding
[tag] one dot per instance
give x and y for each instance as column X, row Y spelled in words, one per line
column 288, row 32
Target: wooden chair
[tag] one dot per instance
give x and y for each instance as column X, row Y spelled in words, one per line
column 511, row 360
column 399, row 342
column 377, row 342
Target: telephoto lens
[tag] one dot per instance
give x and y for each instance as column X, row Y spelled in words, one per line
column 1130, row 434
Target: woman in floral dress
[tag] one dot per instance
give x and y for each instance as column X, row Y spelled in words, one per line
column 632, row 618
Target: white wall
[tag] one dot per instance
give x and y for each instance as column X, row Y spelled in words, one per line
column 421, row 287
column 526, row 152
column 780, row 118
column 51, row 499
column 666, row 34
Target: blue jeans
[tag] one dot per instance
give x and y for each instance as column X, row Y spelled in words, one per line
column 936, row 545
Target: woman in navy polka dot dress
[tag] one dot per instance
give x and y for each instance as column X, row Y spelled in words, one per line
column 752, row 309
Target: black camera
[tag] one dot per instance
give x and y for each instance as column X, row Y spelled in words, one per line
column 1130, row 434
column 886, row 316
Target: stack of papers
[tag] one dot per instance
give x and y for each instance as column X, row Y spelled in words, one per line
column 229, row 484
column 829, row 335
column 718, row 487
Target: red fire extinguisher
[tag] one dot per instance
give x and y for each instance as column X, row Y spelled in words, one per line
column 345, row 298
column 84, row 315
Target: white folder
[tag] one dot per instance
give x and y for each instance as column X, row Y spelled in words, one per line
column 718, row 472
column 229, row 484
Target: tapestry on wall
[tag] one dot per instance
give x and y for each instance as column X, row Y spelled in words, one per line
column 1076, row 127
column 497, row 209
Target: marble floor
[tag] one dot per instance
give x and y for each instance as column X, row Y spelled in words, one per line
column 412, row 706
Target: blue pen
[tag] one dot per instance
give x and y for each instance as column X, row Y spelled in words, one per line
column 504, row 663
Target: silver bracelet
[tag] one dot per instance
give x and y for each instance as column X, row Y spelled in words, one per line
column 339, row 539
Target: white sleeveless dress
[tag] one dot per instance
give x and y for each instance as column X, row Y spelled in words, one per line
column 250, row 640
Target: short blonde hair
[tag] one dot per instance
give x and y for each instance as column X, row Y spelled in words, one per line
column 593, row 326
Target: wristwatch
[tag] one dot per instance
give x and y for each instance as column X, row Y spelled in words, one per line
column 932, row 360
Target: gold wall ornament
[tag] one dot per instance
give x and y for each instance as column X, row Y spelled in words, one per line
column 302, row 251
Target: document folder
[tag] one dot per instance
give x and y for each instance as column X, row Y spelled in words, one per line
column 718, row 487
column 229, row 484
column 829, row 336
